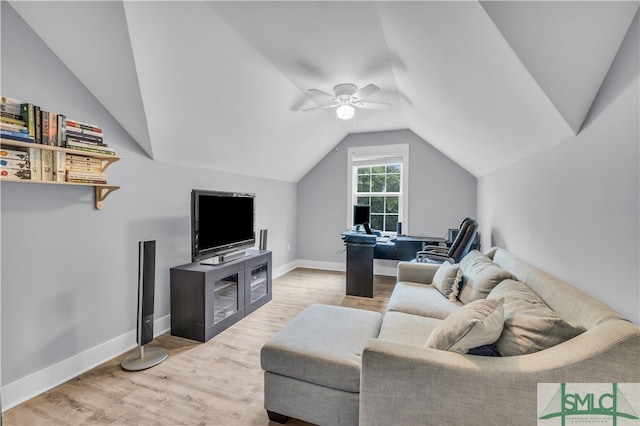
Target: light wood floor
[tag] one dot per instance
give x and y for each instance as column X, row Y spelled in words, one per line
column 215, row 383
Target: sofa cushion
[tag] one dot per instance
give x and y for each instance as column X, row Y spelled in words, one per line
column 529, row 324
column 445, row 277
column 481, row 275
column 475, row 324
column 407, row 329
column 421, row 299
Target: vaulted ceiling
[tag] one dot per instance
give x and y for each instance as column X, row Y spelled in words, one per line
column 221, row 85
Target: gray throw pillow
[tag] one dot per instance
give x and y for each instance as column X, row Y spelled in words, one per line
column 445, row 277
column 481, row 275
column 475, row 324
column 529, row 324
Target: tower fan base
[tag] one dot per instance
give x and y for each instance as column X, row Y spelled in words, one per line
column 144, row 358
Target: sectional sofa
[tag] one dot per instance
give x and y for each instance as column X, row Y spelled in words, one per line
column 463, row 344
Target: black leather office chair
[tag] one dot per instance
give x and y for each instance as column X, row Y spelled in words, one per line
column 458, row 250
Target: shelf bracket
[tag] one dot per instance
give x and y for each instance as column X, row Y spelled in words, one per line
column 101, row 194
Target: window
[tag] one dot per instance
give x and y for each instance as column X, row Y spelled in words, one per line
column 378, row 179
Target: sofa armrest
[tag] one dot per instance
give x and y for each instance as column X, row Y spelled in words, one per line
column 416, row 272
column 403, row 384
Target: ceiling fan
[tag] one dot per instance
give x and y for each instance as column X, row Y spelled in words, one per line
column 347, row 97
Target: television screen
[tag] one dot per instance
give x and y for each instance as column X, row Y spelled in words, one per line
column 221, row 222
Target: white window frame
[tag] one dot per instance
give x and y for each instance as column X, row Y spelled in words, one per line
column 382, row 153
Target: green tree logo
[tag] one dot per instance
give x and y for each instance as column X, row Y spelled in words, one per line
column 595, row 404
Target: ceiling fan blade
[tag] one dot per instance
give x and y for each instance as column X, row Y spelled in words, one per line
column 372, row 105
column 321, row 93
column 367, row 90
column 321, row 107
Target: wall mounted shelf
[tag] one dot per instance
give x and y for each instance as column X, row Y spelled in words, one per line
column 102, row 191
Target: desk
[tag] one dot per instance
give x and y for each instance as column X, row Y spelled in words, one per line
column 404, row 247
column 363, row 248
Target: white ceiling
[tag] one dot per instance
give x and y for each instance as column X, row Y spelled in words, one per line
column 220, row 85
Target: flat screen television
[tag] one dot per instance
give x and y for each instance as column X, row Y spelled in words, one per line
column 221, row 223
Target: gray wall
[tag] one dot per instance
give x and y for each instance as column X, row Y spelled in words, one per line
column 69, row 272
column 572, row 210
column 441, row 193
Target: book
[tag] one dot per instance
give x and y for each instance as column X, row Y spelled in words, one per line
column 6, row 114
column 14, row 127
column 82, row 169
column 73, row 159
column 59, row 166
column 62, row 130
column 14, row 154
column 82, row 147
column 28, row 115
column 91, row 181
column 46, row 162
column 10, row 163
column 38, row 120
column 53, row 129
column 10, row 120
column 24, row 174
column 11, row 106
column 18, row 136
column 85, row 131
column 86, row 175
column 81, row 125
column 83, row 136
column 35, row 162
column 88, row 143
column 44, row 116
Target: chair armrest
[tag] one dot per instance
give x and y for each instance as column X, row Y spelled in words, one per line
column 435, row 256
column 436, row 248
column 416, row 272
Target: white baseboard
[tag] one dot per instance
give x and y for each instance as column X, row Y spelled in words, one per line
column 34, row 384
column 30, row 386
column 380, row 266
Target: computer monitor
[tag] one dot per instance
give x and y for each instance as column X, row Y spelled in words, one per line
column 361, row 215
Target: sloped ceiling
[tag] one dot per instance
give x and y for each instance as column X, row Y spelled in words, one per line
column 486, row 83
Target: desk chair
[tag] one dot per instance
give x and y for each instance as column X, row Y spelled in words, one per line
column 458, row 250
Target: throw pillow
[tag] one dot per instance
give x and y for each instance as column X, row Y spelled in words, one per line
column 475, row 324
column 481, row 275
column 445, row 277
column 529, row 324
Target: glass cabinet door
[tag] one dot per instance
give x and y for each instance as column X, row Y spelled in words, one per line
column 225, row 297
column 258, row 282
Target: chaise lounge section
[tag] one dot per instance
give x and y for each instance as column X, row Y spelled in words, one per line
column 546, row 330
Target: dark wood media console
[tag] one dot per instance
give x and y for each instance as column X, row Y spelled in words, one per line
column 207, row 299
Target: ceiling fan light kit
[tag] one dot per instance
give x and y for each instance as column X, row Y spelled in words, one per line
column 347, row 98
column 345, row 112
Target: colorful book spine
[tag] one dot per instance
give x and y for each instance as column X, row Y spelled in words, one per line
column 37, row 115
column 85, row 148
column 19, row 136
column 14, row 164
column 14, row 154
column 85, row 126
column 15, row 174
column 45, row 127
column 84, row 136
column 28, row 115
column 53, row 129
column 62, row 130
